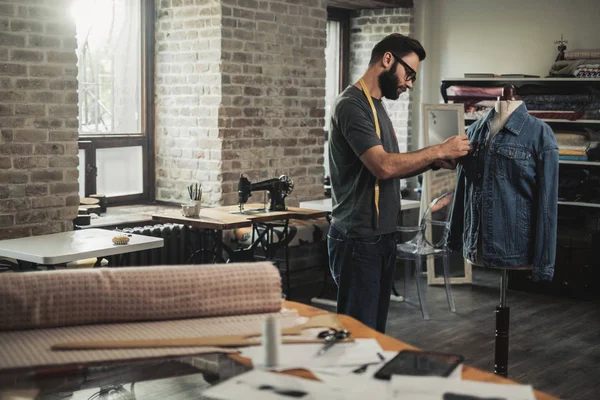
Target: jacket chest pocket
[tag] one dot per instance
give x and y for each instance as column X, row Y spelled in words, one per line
column 511, row 161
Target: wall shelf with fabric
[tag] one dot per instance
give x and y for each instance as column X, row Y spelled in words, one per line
column 578, row 99
column 578, row 203
column 589, row 163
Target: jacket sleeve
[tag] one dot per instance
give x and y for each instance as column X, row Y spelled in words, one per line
column 547, row 214
column 455, row 232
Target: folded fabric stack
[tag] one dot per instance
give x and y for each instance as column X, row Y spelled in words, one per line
column 593, row 111
column 542, row 101
column 579, row 64
column 578, row 184
column 557, row 102
column 477, row 100
column 572, row 145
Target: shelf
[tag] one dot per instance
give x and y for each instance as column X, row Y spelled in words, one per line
column 590, row 163
column 500, row 79
column 562, row 121
column 578, row 204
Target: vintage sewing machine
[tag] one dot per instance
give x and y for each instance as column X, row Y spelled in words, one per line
column 279, row 189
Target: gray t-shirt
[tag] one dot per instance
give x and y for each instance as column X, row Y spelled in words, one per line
column 352, row 132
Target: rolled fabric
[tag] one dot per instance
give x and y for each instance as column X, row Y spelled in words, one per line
column 105, row 295
column 582, row 54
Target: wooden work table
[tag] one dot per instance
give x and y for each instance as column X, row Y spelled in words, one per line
column 360, row 330
column 174, row 376
column 229, row 217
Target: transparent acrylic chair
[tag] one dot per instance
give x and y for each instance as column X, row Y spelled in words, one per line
column 419, row 248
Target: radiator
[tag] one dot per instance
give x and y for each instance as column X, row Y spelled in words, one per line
column 176, row 249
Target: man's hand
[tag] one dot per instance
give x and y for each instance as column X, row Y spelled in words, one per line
column 445, row 164
column 454, row 147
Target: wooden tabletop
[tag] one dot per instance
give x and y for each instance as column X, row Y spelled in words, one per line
column 327, row 204
column 209, row 218
column 386, row 342
column 250, row 212
column 229, row 217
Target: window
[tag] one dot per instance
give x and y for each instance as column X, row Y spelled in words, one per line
column 115, row 81
column 336, row 67
column 336, row 56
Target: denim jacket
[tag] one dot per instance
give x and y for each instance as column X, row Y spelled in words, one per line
column 513, row 188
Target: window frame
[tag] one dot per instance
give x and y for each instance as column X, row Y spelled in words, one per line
column 342, row 15
column 91, row 142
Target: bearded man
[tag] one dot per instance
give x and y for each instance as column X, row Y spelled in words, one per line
column 366, row 167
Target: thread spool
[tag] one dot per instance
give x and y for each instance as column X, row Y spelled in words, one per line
column 271, row 340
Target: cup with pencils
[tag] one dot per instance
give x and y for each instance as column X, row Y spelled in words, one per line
column 193, row 208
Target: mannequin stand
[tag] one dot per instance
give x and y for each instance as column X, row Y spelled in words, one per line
column 503, row 324
column 502, row 328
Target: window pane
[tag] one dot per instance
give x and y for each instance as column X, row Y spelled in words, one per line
column 81, row 178
column 332, row 77
column 109, row 65
column 120, row 171
column 332, row 66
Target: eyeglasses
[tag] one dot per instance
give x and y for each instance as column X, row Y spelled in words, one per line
column 411, row 74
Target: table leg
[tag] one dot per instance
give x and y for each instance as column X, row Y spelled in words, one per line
column 266, row 240
column 286, row 248
column 213, row 255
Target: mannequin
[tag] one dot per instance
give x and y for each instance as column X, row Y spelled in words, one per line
column 503, row 109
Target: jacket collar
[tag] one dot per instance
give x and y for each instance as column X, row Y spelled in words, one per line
column 515, row 121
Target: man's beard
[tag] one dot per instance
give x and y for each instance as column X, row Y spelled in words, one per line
column 389, row 82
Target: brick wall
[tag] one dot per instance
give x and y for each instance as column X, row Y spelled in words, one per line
column 442, row 181
column 38, row 118
column 188, row 95
column 272, row 115
column 367, row 27
column 240, row 88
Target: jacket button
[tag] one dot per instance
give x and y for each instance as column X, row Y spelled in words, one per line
column 511, row 154
column 479, row 176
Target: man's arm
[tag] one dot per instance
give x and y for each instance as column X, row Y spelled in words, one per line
column 386, row 165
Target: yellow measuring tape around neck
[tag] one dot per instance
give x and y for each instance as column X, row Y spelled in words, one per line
column 366, row 92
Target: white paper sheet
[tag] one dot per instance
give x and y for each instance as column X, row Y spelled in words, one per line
column 357, row 353
column 357, row 386
column 324, row 373
column 433, row 388
column 248, row 387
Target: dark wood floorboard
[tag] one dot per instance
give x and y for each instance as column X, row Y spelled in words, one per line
column 554, row 341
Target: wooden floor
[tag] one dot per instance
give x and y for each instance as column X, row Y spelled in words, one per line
column 554, row 341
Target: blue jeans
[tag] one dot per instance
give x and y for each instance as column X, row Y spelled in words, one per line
column 363, row 270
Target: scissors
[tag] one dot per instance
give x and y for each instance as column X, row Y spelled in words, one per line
column 332, row 337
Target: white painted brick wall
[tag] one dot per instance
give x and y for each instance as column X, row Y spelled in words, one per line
column 240, row 88
column 38, row 118
column 367, row 27
column 188, row 96
column 272, row 113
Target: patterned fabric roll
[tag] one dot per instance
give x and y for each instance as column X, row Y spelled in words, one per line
column 105, row 295
column 582, row 54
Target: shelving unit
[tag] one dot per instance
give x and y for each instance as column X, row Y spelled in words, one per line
column 560, row 84
column 562, row 121
column 578, row 204
column 588, row 163
column 578, row 237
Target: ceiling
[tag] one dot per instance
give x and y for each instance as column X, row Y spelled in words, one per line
column 366, row 4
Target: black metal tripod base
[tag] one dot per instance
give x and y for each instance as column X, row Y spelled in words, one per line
column 501, row 346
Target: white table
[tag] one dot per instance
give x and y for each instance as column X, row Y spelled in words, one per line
column 325, row 204
column 60, row 248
